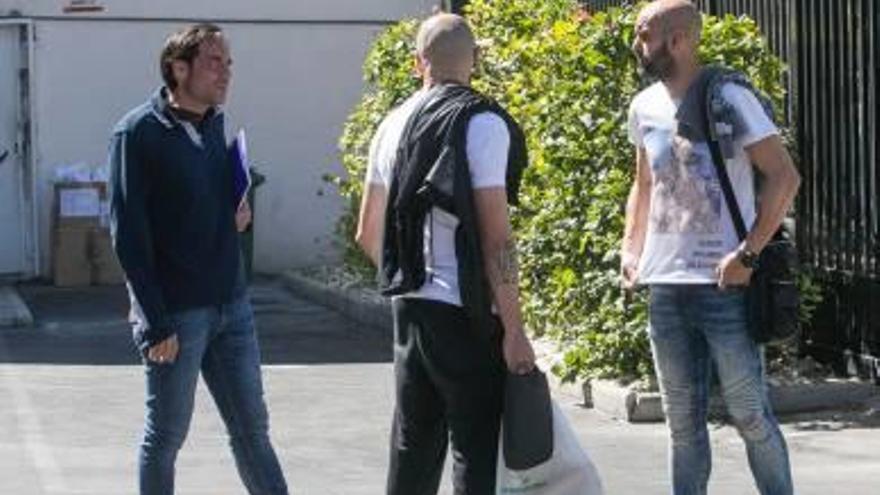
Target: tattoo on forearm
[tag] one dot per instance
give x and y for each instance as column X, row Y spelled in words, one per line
column 508, row 263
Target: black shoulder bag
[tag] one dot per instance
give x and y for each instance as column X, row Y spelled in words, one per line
column 772, row 296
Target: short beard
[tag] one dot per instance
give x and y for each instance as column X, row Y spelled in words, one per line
column 661, row 65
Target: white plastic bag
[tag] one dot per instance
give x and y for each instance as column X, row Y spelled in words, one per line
column 569, row 472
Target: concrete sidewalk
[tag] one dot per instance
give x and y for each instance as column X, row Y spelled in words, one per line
column 72, row 410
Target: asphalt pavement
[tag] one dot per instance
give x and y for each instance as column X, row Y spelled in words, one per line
column 71, row 411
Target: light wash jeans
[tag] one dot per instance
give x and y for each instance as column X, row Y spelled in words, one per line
column 693, row 327
column 219, row 342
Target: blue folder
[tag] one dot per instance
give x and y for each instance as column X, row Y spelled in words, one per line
column 241, row 174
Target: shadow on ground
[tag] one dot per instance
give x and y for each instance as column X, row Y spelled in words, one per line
column 88, row 326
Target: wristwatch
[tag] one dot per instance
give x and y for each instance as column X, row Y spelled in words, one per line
column 748, row 258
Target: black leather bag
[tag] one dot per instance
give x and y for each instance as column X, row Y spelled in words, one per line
column 772, row 296
column 527, row 422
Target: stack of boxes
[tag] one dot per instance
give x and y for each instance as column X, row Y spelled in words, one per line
column 82, row 252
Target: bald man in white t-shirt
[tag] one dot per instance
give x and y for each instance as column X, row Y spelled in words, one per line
column 681, row 242
column 449, row 378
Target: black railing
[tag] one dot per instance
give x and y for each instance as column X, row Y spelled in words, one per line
column 839, row 223
column 453, row 5
column 832, row 50
column 603, row 4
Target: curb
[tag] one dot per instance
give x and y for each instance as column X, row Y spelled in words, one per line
column 831, row 394
column 373, row 311
column 634, row 406
column 13, row 311
column 605, row 396
column 575, row 390
column 615, row 400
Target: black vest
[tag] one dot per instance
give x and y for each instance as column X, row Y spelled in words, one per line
column 431, row 170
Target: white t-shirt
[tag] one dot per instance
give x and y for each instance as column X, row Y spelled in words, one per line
column 488, row 143
column 689, row 227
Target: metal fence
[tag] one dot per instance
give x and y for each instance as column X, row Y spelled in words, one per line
column 836, row 92
column 602, row 4
column 832, row 49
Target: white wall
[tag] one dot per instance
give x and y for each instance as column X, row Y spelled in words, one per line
column 231, row 9
column 293, row 86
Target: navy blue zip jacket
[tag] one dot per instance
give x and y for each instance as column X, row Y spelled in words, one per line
column 172, row 215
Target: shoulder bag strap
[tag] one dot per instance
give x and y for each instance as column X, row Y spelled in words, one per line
column 720, row 168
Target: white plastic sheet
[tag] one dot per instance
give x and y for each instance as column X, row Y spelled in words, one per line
column 569, row 472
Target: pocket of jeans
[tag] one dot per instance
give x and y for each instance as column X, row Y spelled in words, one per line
column 192, row 325
column 659, row 296
column 727, row 306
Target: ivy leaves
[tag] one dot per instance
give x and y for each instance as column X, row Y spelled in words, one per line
column 568, row 78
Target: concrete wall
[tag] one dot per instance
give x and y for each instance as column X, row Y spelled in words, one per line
column 294, row 83
column 275, row 10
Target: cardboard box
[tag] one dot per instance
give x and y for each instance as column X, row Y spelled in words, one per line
column 79, row 204
column 70, row 256
column 105, row 265
column 82, row 251
column 84, row 256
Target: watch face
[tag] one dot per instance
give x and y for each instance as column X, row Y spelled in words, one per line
column 747, row 258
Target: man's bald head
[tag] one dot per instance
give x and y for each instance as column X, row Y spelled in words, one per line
column 673, row 15
column 667, row 34
column 446, row 45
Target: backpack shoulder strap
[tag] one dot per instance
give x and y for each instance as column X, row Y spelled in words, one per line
column 718, row 161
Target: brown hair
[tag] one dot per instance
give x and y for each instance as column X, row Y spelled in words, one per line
column 184, row 45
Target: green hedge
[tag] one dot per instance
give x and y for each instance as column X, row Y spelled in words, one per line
column 568, row 78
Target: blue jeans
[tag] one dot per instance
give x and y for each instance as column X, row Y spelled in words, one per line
column 220, row 342
column 692, row 327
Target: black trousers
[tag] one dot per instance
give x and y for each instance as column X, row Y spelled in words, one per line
column 449, row 386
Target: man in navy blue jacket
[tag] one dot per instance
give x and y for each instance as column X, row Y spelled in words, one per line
column 176, row 228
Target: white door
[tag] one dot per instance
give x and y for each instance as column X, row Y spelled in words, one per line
column 12, row 160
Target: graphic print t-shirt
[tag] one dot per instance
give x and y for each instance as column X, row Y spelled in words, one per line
column 689, row 226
